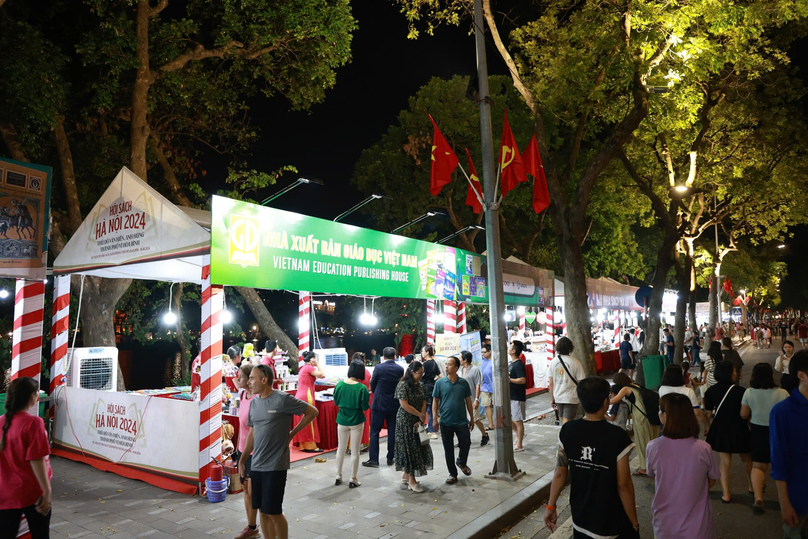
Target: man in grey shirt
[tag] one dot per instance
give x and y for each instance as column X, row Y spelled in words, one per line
column 270, row 422
column 474, row 378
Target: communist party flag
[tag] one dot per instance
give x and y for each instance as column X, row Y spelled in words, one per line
column 471, row 196
column 512, row 170
column 533, row 166
column 444, row 161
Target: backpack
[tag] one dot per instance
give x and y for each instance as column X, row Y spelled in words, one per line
column 651, row 401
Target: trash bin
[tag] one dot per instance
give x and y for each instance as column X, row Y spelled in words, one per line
column 653, row 367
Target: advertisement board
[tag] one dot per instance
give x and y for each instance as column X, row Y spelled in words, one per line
column 152, row 434
column 473, row 343
column 447, row 344
column 525, row 285
column 262, row 247
column 24, row 219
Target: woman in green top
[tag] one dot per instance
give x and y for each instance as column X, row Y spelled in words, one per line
column 352, row 398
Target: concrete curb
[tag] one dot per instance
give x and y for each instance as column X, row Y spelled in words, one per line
column 514, row 508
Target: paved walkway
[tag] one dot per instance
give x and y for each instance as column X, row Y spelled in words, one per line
column 733, row 521
column 89, row 503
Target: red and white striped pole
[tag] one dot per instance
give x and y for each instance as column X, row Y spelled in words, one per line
column 210, row 406
column 549, row 333
column 522, row 321
column 59, row 331
column 461, row 317
column 29, row 311
column 304, row 314
column 449, row 316
column 430, row 321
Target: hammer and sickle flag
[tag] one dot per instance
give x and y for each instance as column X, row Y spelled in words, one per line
column 541, row 196
column 475, row 188
column 444, row 161
column 512, row 170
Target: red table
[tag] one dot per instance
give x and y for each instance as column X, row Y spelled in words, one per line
column 607, row 361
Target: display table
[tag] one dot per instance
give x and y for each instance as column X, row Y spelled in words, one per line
column 608, row 361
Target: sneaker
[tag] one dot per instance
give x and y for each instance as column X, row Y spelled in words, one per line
column 433, row 436
column 484, row 441
column 247, row 533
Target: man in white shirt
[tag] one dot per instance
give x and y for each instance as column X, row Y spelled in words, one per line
column 565, row 373
column 635, row 342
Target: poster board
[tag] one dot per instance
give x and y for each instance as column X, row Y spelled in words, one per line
column 473, row 343
column 24, row 219
column 261, row 247
column 151, row 434
column 447, row 344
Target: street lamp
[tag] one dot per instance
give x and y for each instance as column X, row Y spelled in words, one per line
column 467, row 229
column 416, row 221
column 781, row 246
column 299, row 181
column 368, row 200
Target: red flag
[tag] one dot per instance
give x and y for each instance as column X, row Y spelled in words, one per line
column 533, row 166
column 444, row 161
column 471, row 196
column 512, row 170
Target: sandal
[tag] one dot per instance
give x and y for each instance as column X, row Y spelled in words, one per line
column 451, row 480
column 415, row 488
column 638, row 472
column 353, row 483
column 726, row 501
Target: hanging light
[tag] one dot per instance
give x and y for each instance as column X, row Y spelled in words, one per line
column 170, row 318
column 227, row 317
column 3, row 293
column 303, row 324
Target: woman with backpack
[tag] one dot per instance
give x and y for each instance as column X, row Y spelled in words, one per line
column 25, row 471
column 728, row 432
column 645, row 417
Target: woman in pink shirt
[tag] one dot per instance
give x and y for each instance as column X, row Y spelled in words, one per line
column 25, row 471
column 244, row 398
column 684, row 469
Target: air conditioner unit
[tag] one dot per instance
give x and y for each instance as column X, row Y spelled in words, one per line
column 332, row 357
column 93, row 368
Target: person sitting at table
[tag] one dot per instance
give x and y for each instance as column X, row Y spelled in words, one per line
column 245, row 396
column 352, row 399
column 308, row 438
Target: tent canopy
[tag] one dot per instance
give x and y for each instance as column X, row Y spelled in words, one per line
column 134, row 232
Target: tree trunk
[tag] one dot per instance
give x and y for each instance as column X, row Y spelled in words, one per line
column 714, row 300
column 98, row 303
column 12, row 141
column 576, row 308
column 664, row 263
column 68, row 174
column 694, row 327
column 182, row 333
column 139, row 134
column 266, row 322
column 680, row 321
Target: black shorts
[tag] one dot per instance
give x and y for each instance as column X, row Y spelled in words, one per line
column 267, row 491
column 627, row 364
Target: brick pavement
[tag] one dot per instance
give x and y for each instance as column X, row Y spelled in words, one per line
column 89, row 503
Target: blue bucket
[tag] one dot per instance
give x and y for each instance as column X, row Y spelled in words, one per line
column 216, row 491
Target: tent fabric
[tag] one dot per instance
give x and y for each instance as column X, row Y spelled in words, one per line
column 134, row 232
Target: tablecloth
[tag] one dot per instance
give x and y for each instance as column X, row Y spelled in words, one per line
column 607, row 361
column 529, row 371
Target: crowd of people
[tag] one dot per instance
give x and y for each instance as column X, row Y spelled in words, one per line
column 764, row 424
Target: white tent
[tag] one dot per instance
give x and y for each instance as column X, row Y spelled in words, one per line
column 134, row 232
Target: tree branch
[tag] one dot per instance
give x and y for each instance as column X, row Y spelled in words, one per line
column 169, row 174
column 12, row 141
column 161, row 5
column 661, row 211
column 68, row 174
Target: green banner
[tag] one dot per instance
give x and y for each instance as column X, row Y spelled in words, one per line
column 262, row 247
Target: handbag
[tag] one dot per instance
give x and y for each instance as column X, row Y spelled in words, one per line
column 420, row 430
column 722, row 401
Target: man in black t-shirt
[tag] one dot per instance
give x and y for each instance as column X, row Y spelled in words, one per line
column 596, row 455
column 517, row 372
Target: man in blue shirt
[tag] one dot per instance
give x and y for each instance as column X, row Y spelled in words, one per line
column 670, row 346
column 627, row 361
column 487, row 388
column 452, row 397
column 788, row 435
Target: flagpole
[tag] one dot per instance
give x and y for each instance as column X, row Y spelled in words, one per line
column 505, row 466
column 477, row 194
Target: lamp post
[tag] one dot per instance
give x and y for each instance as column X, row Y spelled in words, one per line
column 368, row 200
column 299, row 181
column 416, row 221
column 461, row 231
